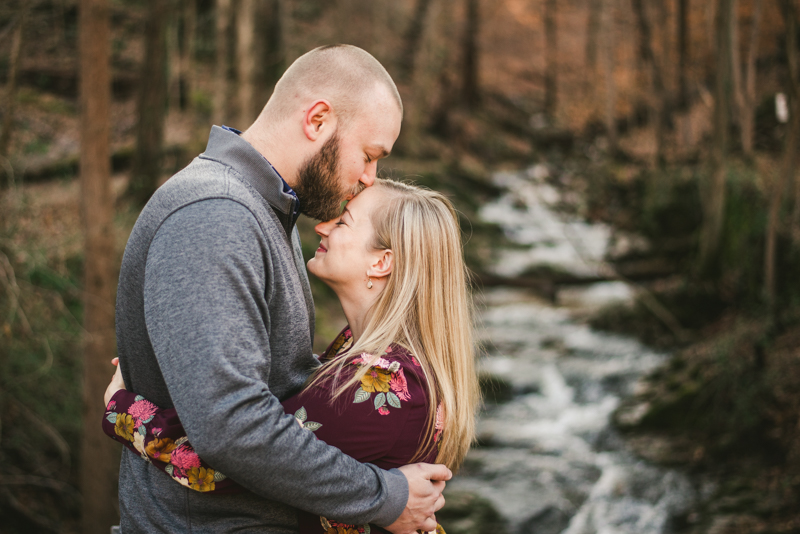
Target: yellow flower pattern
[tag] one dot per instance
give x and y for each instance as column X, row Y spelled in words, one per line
column 201, row 478
column 376, row 381
column 124, row 426
column 160, row 449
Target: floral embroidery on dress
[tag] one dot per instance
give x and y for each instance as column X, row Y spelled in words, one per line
column 384, row 378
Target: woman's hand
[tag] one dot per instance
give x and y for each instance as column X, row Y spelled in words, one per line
column 116, row 383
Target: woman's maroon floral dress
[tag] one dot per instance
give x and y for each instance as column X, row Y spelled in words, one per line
column 381, row 421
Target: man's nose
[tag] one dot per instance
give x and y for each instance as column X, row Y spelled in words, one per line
column 368, row 178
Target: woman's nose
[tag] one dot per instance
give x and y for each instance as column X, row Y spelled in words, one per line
column 324, row 228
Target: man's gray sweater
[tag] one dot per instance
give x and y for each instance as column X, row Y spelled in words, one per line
column 215, row 319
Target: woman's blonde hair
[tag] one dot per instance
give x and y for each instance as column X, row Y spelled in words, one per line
column 426, row 307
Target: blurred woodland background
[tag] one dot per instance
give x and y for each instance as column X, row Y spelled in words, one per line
column 678, row 120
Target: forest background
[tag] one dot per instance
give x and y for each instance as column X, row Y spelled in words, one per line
column 678, row 120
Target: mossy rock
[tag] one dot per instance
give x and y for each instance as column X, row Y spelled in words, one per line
column 467, row 513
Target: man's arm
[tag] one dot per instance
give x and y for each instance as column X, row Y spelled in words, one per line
column 204, row 308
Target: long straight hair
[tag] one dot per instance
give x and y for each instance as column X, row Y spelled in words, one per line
column 426, row 307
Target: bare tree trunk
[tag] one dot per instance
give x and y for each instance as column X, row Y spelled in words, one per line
column 246, row 61
column 11, row 84
column 788, row 165
column 608, row 32
column 99, row 455
column 152, row 103
column 658, row 98
column 714, row 201
column 746, row 86
column 592, row 29
column 223, row 21
column 683, row 53
column 173, row 63
column 270, row 49
column 551, row 59
column 412, row 39
column 470, row 87
column 187, row 52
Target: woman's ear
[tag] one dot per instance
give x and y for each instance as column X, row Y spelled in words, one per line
column 382, row 264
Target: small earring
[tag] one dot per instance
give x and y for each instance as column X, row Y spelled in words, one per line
column 369, row 283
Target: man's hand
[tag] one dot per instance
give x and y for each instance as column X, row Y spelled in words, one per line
column 116, row 383
column 425, row 486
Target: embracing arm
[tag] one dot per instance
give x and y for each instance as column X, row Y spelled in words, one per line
column 205, row 309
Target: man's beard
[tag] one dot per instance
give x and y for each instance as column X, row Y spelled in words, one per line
column 318, row 187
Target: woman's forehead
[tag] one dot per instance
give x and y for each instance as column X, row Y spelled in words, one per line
column 365, row 201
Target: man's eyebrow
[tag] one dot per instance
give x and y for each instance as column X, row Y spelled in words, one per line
column 383, row 152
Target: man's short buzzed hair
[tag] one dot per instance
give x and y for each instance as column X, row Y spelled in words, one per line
column 342, row 74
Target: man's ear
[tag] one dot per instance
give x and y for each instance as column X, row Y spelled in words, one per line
column 318, row 119
column 382, row 264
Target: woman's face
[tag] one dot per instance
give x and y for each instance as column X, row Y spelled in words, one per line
column 345, row 252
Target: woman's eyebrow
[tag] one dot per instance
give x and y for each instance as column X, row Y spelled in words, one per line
column 347, row 211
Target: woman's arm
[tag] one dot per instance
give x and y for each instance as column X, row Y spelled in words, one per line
column 381, row 420
column 157, row 436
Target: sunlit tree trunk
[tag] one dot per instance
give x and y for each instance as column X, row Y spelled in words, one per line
column 551, row 58
column 11, row 84
column 608, row 31
column 223, row 21
column 714, row 197
column 99, row 456
column 593, row 23
column 152, row 103
column 745, row 80
column 470, row 84
column 246, row 61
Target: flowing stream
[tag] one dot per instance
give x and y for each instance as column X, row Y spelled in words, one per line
column 550, row 461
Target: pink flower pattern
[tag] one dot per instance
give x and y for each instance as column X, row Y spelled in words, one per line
column 399, row 385
column 439, row 422
column 383, row 410
column 142, row 410
column 184, row 458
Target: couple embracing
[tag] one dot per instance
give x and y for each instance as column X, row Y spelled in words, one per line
column 231, row 424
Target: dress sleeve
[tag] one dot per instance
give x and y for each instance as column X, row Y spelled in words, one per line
column 157, row 435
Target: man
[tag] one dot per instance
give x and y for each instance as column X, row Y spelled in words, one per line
column 215, row 317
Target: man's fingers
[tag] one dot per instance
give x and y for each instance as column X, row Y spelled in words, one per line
column 436, row 472
column 429, row 524
column 439, row 503
column 438, row 485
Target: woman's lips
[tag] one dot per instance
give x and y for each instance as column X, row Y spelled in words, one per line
column 322, row 248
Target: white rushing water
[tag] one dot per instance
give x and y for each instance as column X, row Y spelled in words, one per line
column 550, row 461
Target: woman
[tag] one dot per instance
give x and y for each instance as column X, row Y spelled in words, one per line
column 398, row 385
